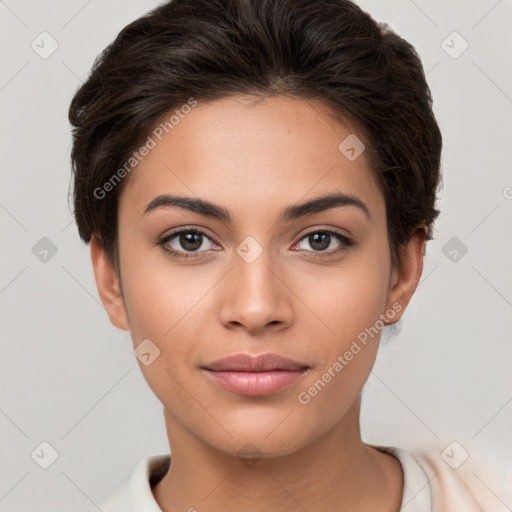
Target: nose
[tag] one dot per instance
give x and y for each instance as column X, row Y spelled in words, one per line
column 255, row 296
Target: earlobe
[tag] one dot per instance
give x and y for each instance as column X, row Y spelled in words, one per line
column 108, row 286
column 407, row 275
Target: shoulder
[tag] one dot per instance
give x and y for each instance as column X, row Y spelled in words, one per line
column 135, row 495
column 119, row 501
column 460, row 481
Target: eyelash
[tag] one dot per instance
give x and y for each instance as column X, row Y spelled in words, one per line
column 345, row 243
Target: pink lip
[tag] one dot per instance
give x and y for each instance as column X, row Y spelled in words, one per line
column 255, row 376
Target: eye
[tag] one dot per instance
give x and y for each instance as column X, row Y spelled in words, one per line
column 186, row 243
column 321, row 240
column 190, row 243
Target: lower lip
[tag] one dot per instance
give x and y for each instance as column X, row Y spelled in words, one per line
column 256, row 383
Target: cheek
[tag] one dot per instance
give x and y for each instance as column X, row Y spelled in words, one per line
column 169, row 305
column 347, row 299
column 350, row 304
column 345, row 358
column 160, row 296
column 164, row 305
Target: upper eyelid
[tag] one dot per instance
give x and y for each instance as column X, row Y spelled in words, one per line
column 186, row 229
column 342, row 238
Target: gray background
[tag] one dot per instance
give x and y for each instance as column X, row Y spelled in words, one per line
column 69, row 378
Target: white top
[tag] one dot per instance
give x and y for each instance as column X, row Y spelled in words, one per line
column 430, row 485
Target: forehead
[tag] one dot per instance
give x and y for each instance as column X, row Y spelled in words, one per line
column 241, row 152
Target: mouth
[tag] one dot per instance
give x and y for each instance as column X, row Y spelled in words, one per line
column 255, row 376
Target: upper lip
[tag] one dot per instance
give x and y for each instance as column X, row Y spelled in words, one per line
column 260, row 363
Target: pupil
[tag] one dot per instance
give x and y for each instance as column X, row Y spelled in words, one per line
column 314, row 239
column 190, row 241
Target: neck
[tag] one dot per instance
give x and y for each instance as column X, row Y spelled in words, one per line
column 335, row 472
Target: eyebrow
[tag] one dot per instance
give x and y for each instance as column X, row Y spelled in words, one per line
column 209, row 209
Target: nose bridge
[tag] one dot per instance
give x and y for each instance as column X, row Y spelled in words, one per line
column 256, row 296
column 253, row 274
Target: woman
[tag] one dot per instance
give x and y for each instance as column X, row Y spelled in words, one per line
column 257, row 180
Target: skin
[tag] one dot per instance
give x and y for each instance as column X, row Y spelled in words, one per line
column 256, row 159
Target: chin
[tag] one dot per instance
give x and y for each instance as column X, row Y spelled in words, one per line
column 251, row 449
column 263, row 439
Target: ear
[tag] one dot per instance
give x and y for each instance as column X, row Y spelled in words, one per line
column 108, row 286
column 406, row 276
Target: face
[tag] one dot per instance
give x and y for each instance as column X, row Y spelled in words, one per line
column 249, row 275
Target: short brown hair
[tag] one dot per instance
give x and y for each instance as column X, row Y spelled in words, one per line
column 327, row 50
